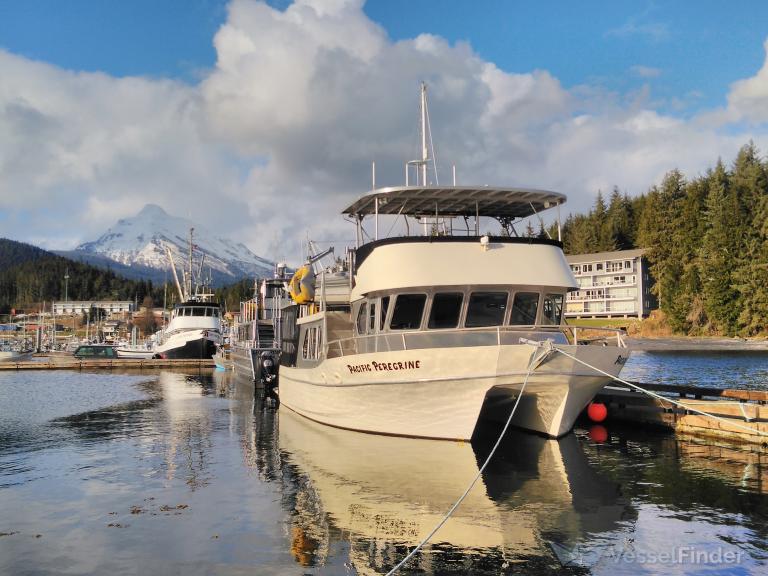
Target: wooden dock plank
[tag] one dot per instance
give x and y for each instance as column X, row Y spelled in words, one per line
column 74, row 364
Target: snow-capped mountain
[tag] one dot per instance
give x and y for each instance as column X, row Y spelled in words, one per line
column 140, row 242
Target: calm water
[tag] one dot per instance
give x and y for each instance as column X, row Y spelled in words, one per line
column 745, row 369
column 171, row 473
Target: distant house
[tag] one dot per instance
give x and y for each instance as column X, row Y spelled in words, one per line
column 611, row 285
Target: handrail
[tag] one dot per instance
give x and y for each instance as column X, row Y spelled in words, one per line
column 498, row 330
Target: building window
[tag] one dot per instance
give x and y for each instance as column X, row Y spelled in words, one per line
column 587, row 267
column 407, row 311
column 446, row 309
column 627, row 264
column 599, row 267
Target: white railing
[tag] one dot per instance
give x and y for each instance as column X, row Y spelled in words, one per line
column 463, row 337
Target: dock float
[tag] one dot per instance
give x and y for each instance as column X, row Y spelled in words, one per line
column 110, row 364
column 737, row 410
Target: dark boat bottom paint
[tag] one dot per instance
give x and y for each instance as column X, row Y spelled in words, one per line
column 193, row 349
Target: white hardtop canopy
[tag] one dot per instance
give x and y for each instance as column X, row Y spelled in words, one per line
column 452, row 201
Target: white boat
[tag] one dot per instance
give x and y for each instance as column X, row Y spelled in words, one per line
column 433, row 327
column 135, row 352
column 194, row 329
column 15, row 355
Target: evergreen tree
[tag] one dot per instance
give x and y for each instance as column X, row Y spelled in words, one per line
column 717, row 253
column 750, row 276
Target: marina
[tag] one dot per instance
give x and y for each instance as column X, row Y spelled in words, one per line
column 553, row 361
column 196, row 471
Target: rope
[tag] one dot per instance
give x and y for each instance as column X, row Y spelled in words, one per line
column 450, row 512
column 663, row 398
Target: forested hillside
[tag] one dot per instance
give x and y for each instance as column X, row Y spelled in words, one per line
column 706, row 240
column 31, row 275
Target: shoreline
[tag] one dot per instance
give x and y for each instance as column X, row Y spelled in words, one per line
column 696, row 344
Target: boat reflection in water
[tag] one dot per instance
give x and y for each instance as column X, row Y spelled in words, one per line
column 539, row 500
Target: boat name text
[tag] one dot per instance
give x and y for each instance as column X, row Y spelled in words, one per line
column 384, row 366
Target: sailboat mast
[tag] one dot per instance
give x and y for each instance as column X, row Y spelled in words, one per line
column 424, row 149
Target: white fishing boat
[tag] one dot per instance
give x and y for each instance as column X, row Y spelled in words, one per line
column 430, row 328
column 194, row 329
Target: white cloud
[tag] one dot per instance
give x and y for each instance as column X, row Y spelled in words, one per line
column 645, row 71
column 748, row 99
column 654, row 31
column 279, row 136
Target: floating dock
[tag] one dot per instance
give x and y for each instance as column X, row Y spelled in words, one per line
column 742, row 415
column 107, row 364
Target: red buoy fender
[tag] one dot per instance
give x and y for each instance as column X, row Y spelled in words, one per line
column 597, row 411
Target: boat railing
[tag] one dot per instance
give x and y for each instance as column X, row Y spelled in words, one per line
column 465, row 337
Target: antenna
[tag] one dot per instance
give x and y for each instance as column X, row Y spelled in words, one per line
column 188, row 282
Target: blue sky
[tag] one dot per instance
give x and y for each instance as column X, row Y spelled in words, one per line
column 235, row 113
column 689, row 51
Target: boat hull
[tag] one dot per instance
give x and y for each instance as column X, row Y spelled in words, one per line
column 188, row 345
column 243, row 361
column 14, row 356
column 439, row 393
column 135, row 354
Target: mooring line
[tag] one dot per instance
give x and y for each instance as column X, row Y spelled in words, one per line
column 412, row 553
column 662, row 398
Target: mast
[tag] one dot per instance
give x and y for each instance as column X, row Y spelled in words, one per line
column 424, row 149
column 191, row 256
column 175, row 276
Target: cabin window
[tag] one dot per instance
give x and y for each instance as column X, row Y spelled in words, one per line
column 372, row 317
column 198, row 311
column 486, row 309
column 384, row 308
column 361, row 318
column 446, row 309
column 524, row 308
column 553, row 309
column 407, row 312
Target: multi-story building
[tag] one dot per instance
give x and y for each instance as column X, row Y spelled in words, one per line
column 78, row 307
column 611, row 285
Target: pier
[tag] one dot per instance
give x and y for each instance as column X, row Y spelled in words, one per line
column 736, row 409
column 72, row 363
